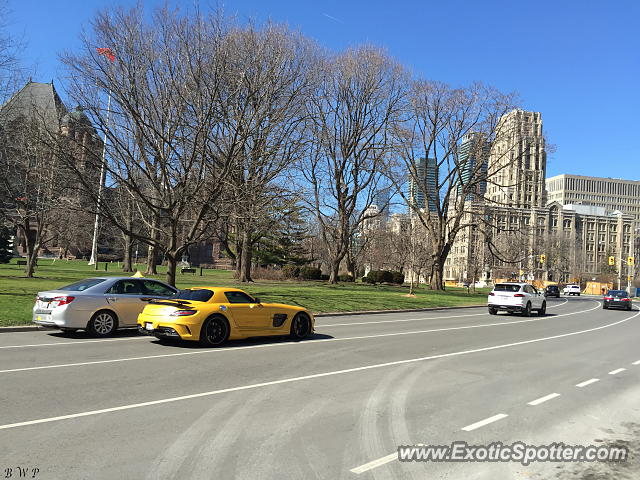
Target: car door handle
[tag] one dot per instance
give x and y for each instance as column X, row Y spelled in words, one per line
column 112, row 299
column 146, row 299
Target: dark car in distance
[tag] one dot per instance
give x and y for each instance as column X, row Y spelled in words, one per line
column 552, row 291
column 616, row 299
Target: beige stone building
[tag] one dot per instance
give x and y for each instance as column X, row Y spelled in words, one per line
column 508, row 243
column 609, row 193
column 515, row 232
column 517, row 162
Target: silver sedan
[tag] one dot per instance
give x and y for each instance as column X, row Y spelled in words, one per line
column 99, row 305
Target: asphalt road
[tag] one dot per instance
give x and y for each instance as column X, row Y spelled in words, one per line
column 336, row 406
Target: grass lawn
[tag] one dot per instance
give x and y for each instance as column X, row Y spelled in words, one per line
column 17, row 293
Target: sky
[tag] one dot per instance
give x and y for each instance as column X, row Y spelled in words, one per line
column 576, row 62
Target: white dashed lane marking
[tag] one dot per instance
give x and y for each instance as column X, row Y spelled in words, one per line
column 484, row 422
column 587, row 382
column 546, row 398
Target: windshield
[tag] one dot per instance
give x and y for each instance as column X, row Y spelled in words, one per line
column 501, row 287
column 618, row 293
column 199, row 295
column 82, row 285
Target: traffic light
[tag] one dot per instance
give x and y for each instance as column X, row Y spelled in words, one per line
column 612, row 260
column 630, row 260
column 543, row 258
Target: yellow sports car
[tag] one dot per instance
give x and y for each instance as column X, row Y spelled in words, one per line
column 213, row 315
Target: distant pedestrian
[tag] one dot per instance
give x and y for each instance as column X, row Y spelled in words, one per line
column 603, row 291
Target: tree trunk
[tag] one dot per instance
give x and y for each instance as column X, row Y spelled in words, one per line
column 171, row 268
column 127, row 265
column 245, row 263
column 335, row 268
column 437, row 275
column 351, row 266
column 151, row 261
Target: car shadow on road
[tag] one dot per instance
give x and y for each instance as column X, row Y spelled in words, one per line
column 249, row 342
column 129, row 332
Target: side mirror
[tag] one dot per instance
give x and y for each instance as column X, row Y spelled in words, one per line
column 257, row 300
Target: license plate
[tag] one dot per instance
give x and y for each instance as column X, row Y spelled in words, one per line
column 148, row 326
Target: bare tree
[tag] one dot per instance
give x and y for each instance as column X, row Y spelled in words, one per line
column 358, row 98
column 165, row 80
column 30, row 180
column 262, row 129
column 11, row 71
column 444, row 179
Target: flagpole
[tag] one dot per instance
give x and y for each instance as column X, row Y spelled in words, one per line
column 94, row 245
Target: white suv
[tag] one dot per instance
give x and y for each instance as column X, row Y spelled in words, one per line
column 516, row 297
column 571, row 290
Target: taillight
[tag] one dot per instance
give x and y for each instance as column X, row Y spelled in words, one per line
column 183, row 313
column 519, row 295
column 63, row 300
column 491, row 294
column 626, row 299
column 608, row 298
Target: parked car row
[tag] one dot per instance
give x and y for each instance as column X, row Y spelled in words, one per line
column 209, row 315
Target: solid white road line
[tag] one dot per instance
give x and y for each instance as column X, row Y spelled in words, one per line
column 79, row 342
column 308, row 377
column 484, row 422
column 415, row 319
column 546, row 398
column 587, row 382
column 375, row 463
column 637, row 362
column 615, row 372
column 270, row 345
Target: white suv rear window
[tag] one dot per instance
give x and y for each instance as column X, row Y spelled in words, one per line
column 501, row 287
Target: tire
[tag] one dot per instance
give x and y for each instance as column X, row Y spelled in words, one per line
column 103, row 324
column 493, row 311
column 604, row 305
column 629, row 308
column 526, row 311
column 69, row 330
column 300, row 326
column 578, row 294
column 543, row 310
column 215, row 331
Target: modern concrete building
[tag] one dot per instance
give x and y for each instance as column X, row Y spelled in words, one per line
column 611, row 194
column 518, row 161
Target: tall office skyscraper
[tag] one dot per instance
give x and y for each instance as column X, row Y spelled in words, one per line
column 518, row 161
column 473, row 154
column 423, row 187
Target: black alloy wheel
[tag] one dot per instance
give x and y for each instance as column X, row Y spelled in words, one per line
column 300, row 326
column 214, row 331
